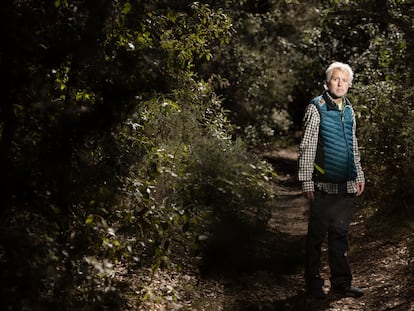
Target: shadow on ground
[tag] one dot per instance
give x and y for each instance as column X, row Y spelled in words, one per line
column 299, row 302
column 237, row 248
column 262, row 269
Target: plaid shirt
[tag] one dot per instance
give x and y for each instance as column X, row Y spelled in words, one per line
column 307, row 153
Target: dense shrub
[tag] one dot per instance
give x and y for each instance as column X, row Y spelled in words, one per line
column 131, row 152
column 385, row 120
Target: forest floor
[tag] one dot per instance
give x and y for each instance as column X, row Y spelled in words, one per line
column 269, row 276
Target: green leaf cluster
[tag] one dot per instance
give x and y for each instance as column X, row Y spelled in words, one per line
column 115, row 152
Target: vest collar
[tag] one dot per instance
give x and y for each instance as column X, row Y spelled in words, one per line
column 331, row 105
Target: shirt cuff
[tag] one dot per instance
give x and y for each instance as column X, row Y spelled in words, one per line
column 360, row 179
column 308, row 186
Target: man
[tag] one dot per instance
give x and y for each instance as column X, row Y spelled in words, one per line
column 331, row 177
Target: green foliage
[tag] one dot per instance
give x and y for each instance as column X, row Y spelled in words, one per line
column 385, row 121
column 131, row 152
column 125, row 126
column 261, row 66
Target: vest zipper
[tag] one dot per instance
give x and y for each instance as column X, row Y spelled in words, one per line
column 345, row 138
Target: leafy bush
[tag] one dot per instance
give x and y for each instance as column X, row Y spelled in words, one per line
column 263, row 65
column 129, row 148
column 385, row 121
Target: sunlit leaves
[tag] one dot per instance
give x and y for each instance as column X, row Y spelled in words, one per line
column 127, row 8
column 185, row 37
column 85, row 96
column 59, row 3
column 62, row 76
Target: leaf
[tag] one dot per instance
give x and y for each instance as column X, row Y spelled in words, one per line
column 127, row 8
column 89, row 219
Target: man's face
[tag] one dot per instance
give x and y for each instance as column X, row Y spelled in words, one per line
column 339, row 83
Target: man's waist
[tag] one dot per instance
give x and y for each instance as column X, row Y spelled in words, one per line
column 332, row 188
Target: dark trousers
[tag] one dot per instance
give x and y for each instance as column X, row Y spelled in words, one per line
column 329, row 215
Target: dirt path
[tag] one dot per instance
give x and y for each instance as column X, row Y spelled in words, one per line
column 273, row 279
column 381, row 264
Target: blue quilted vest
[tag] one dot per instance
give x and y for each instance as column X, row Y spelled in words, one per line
column 334, row 161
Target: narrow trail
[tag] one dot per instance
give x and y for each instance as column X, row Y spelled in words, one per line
column 381, row 264
column 268, row 275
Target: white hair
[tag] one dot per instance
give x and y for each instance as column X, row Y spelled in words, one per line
column 340, row 66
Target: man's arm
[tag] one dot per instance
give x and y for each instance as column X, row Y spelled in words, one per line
column 360, row 179
column 307, row 150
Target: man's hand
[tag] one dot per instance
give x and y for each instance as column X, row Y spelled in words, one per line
column 360, row 187
column 310, row 195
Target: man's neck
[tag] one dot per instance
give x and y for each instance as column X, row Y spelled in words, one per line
column 336, row 99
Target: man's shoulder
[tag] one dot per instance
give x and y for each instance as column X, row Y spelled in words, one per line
column 319, row 100
column 312, row 111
